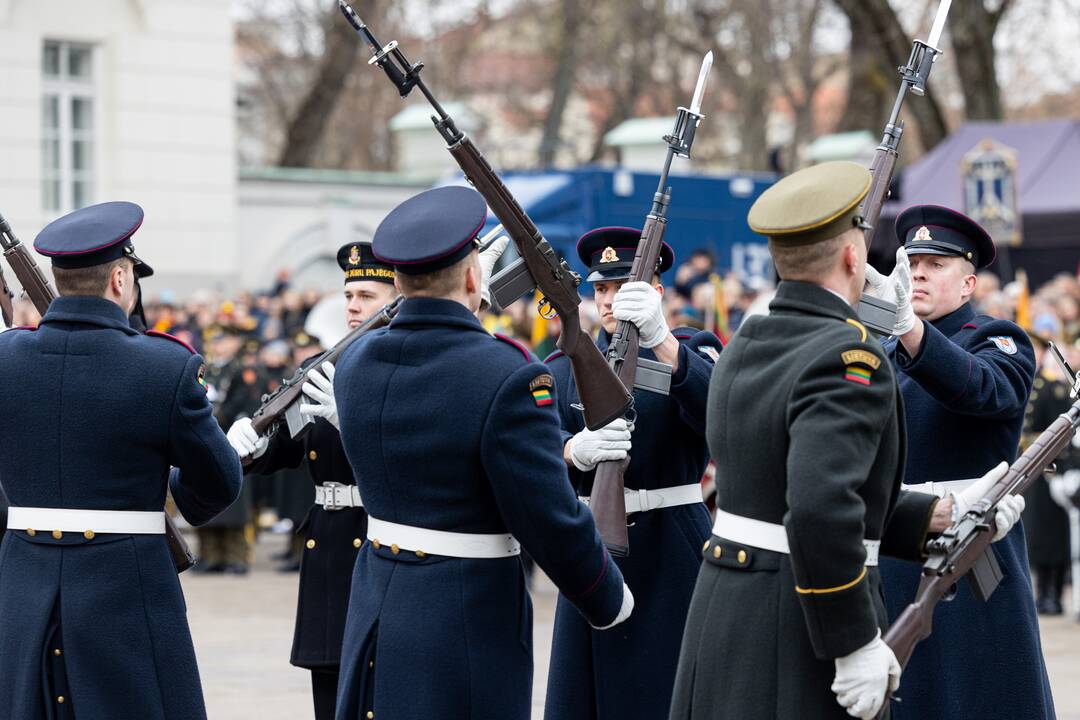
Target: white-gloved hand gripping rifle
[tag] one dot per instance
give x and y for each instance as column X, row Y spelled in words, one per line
column 877, row 314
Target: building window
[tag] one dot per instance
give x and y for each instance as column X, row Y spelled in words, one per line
column 67, row 117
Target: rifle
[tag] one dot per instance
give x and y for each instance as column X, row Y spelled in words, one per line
column 607, row 499
column 963, row 549
column 603, row 395
column 41, row 293
column 875, row 313
column 285, row 401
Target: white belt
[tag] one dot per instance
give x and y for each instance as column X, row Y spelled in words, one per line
column 440, row 542
column 645, row 500
column 941, row 489
column 337, row 496
column 122, row 522
column 769, row 536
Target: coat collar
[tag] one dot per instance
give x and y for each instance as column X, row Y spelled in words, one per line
column 90, row 310
column 812, row 299
column 952, row 323
column 435, row 311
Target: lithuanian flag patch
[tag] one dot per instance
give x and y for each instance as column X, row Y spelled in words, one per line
column 540, row 387
column 542, row 397
column 857, row 374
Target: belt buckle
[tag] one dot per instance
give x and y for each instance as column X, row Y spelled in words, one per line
column 332, row 496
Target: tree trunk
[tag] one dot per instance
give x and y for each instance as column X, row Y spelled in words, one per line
column 573, row 15
column 893, row 48
column 871, row 81
column 972, row 28
column 308, row 124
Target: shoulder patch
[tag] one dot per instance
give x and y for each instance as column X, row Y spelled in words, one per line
column 710, row 352
column 542, row 381
column 540, row 387
column 858, row 326
column 1004, row 343
column 524, row 350
column 861, row 357
column 200, row 377
column 167, row 336
column 857, row 374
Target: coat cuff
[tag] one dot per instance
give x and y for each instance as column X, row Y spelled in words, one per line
column 905, row 534
column 840, row 620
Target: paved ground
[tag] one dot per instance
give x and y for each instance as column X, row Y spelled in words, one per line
column 243, row 630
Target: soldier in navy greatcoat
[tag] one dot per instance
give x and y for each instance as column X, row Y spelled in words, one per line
column 965, row 380
column 629, row 671
column 92, row 619
column 454, row 438
column 805, row 425
column 335, row 525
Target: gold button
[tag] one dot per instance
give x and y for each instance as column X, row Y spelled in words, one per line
column 56, row 652
column 421, row 554
column 371, row 663
column 741, row 557
column 375, row 544
column 60, row 699
column 57, row 534
column 394, row 548
column 310, row 544
column 705, row 546
column 31, row 532
column 89, row 534
column 370, row 715
column 357, row 542
column 313, row 455
column 717, row 552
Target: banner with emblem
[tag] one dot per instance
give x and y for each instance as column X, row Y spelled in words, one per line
column 988, row 172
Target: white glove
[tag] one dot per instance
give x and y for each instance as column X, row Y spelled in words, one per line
column 245, row 441
column 320, row 388
column 624, row 611
column 1063, row 487
column 640, row 303
column 896, row 289
column 611, row 442
column 488, row 258
column 864, row 676
column 1008, row 510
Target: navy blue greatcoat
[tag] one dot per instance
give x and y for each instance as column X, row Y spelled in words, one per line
column 99, row 413
column 965, row 396
column 441, row 417
column 332, row 540
column 629, row 671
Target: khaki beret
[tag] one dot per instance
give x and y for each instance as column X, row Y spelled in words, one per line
column 812, row 205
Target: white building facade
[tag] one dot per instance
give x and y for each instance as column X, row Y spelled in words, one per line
column 124, row 100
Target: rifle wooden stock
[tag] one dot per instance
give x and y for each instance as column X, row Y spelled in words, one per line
column 274, row 405
column 881, row 171
column 607, row 499
column 603, row 395
column 957, row 550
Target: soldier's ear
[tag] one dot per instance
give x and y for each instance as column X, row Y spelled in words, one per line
column 968, row 288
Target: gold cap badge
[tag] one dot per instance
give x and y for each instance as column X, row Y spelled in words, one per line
column 354, row 255
column 609, row 255
column 923, row 233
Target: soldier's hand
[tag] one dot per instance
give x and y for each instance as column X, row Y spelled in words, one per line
column 641, row 304
column 488, row 258
column 1008, row 509
column 625, row 609
column 245, row 441
column 319, row 387
column 896, row 289
column 901, row 284
column 863, row 678
column 611, row 442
